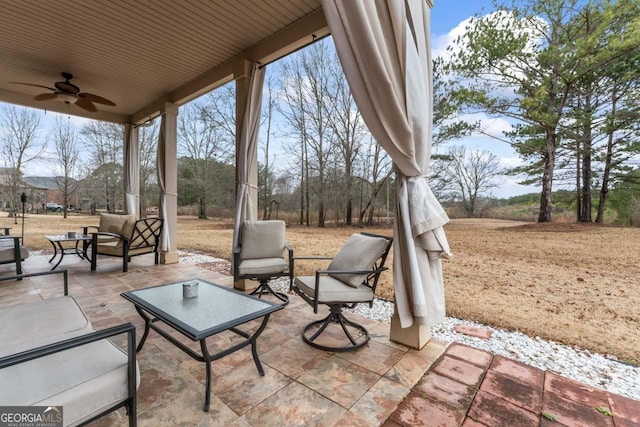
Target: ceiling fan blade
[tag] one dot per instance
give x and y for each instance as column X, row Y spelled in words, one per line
column 31, row 84
column 85, row 104
column 95, row 98
column 45, row 96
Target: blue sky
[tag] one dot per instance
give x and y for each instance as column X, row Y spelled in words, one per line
column 447, row 14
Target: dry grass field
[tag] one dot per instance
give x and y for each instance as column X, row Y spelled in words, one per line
column 574, row 283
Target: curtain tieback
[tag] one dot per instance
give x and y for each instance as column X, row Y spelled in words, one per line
column 248, row 185
column 400, row 176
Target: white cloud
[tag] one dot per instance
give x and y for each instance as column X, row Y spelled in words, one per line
column 439, row 44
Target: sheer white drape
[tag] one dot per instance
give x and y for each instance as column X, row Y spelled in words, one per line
column 247, row 161
column 384, row 49
column 161, row 171
column 131, row 170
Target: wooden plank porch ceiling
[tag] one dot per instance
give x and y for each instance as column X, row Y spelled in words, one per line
column 143, row 53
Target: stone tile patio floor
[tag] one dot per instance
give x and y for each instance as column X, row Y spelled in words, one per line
column 382, row 384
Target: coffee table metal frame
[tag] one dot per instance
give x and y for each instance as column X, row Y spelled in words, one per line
column 57, row 241
column 153, row 314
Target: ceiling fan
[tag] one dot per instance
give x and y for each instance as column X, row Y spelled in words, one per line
column 69, row 93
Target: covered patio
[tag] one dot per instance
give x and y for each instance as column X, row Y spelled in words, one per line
column 302, row 385
column 151, row 57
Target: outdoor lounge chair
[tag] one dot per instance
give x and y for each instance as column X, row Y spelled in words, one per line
column 261, row 256
column 350, row 279
column 12, row 252
column 125, row 238
column 51, row 356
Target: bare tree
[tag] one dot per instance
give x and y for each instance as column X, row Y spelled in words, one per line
column 347, row 125
column 267, row 189
column 19, row 146
column 306, row 85
column 205, row 143
column 105, row 142
column 470, row 174
column 64, row 137
column 148, row 140
column 292, row 108
column 377, row 172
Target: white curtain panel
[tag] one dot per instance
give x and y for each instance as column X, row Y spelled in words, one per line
column 384, row 49
column 131, row 170
column 247, row 161
column 161, row 165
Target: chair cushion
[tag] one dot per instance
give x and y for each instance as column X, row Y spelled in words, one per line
column 26, row 326
column 262, row 239
column 360, row 252
column 117, row 248
column 333, row 290
column 111, row 223
column 262, row 266
column 86, row 380
column 106, row 239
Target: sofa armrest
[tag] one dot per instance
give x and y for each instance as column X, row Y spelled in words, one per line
column 42, row 273
column 70, row 343
column 85, row 229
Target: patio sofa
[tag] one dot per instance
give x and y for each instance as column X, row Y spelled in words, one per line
column 50, row 355
column 123, row 236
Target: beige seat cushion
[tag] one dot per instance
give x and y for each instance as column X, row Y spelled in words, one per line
column 85, row 380
column 262, row 239
column 26, row 326
column 333, row 290
column 106, row 239
column 262, row 266
column 360, row 252
column 116, row 249
column 118, row 224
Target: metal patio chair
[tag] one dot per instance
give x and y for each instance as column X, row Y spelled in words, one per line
column 262, row 255
column 350, row 279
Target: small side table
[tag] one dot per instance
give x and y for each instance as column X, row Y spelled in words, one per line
column 58, row 240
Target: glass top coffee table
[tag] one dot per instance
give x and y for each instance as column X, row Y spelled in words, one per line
column 214, row 310
column 57, row 241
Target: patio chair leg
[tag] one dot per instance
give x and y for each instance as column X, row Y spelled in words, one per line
column 336, row 316
column 265, row 289
column 94, row 253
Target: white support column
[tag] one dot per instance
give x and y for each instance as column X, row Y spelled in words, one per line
column 242, row 73
column 131, row 170
column 171, row 181
column 415, row 336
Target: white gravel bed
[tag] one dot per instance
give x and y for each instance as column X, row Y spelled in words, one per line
column 587, row 367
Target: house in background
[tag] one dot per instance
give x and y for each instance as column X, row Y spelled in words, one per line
column 48, row 189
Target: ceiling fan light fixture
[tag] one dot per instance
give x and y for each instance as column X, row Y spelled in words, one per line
column 66, row 98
